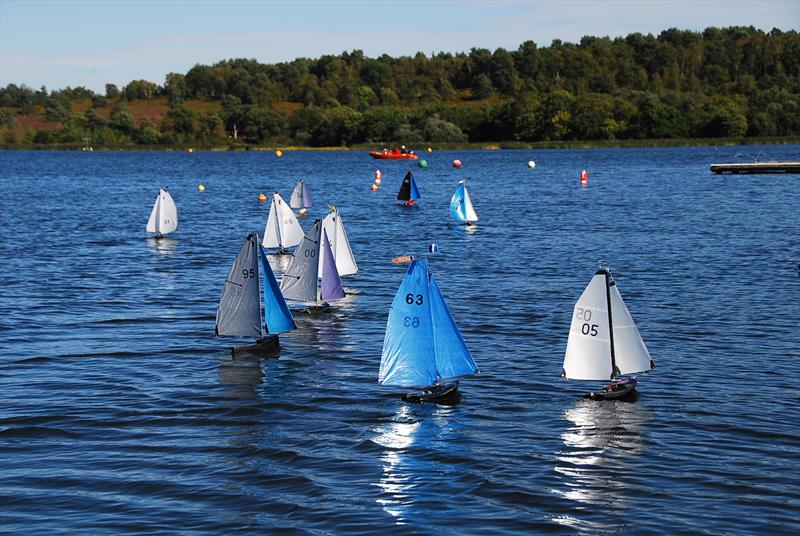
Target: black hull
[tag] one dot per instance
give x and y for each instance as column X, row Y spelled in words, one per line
column 266, row 346
column 438, row 394
column 625, row 390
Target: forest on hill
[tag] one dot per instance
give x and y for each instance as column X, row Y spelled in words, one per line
column 735, row 82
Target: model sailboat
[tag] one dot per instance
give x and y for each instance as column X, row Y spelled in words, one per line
column 283, row 230
column 301, row 198
column 240, row 313
column 604, row 343
column 300, row 282
column 422, row 346
column 164, row 216
column 461, row 205
column 340, row 245
column 408, row 191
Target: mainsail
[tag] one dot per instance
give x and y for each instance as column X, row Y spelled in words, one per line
column 300, row 279
column 422, row 345
column 276, row 311
column 340, row 245
column 283, row 230
column 239, row 312
column 164, row 215
column 629, row 349
column 408, row 189
column 595, row 352
column 461, row 205
column 300, row 196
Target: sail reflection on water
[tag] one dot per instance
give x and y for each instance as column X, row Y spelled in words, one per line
column 603, row 445
column 163, row 245
column 411, row 480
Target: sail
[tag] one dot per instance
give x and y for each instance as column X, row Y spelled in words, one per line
column 276, row 312
column 301, row 198
column 300, row 279
column 239, row 312
column 408, row 349
column 461, row 205
column 588, row 355
column 405, row 188
column 164, row 215
column 331, row 288
column 453, row 358
column 631, row 355
column 342, row 254
column 272, row 232
column 414, row 190
column 291, row 232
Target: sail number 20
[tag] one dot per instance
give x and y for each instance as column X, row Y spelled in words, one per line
column 586, row 316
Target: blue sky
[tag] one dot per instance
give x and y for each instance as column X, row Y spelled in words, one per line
column 91, row 43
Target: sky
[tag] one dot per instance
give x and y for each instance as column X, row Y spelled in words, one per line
column 71, row 43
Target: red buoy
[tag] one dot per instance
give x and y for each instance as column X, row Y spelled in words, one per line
column 584, row 177
column 456, row 163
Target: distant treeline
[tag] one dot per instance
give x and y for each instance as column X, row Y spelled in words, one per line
column 730, row 82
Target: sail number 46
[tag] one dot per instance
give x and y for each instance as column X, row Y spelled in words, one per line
column 586, row 316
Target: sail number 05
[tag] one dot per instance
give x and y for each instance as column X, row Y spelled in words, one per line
column 586, row 316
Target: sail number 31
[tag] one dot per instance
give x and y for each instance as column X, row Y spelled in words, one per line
column 586, row 316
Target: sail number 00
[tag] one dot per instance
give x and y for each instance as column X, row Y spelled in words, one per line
column 586, row 316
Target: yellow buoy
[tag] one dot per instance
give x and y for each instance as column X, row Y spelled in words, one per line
column 373, row 187
column 262, row 197
column 190, row 149
column 201, row 187
column 430, row 150
column 279, row 153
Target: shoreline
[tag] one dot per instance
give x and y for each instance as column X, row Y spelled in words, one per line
column 485, row 146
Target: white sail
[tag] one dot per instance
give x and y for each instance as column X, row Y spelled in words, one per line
column 283, row 230
column 630, row 352
column 300, row 197
column 471, row 215
column 340, row 245
column 164, row 216
column 239, row 312
column 588, row 355
column 300, row 279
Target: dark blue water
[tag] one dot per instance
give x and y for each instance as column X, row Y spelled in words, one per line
column 121, row 412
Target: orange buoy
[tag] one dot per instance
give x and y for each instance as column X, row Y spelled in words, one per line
column 456, row 163
column 373, row 187
column 262, row 197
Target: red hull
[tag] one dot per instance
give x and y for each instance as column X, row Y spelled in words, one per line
column 380, row 155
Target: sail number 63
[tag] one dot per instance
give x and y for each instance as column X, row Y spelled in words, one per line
column 410, row 299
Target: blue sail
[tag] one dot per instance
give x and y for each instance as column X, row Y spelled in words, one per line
column 408, row 353
column 458, row 205
column 453, row 358
column 276, row 312
column 414, row 190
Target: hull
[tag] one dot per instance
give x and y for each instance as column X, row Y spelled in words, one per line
column 438, row 394
column 621, row 390
column 380, row 155
column 265, row 346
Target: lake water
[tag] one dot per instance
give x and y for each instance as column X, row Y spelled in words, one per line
column 121, row 412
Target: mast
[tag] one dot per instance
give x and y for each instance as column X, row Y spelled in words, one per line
column 614, row 368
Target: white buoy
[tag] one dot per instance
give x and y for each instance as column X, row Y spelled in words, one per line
column 531, row 164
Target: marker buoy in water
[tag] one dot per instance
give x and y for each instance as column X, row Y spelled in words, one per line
column 584, row 177
column 377, row 177
column 433, row 248
column 531, row 164
column 279, row 153
column 373, row 187
column 262, row 197
column 456, row 163
column 430, row 150
column 201, row 187
column 423, row 163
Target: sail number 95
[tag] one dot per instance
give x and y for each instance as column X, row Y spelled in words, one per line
column 248, row 273
column 410, row 299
